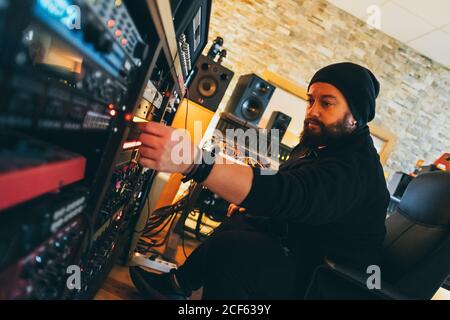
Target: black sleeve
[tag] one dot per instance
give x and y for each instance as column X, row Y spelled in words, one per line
column 316, row 193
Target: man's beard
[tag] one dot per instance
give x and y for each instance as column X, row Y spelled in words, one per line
column 328, row 135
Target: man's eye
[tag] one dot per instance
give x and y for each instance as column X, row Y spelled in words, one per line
column 326, row 104
column 310, row 102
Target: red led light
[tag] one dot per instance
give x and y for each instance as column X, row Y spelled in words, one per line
column 128, row 117
column 110, row 106
column 131, row 144
column 112, row 113
column 111, row 23
column 118, row 33
column 124, row 42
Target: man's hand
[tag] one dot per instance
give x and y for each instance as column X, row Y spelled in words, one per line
column 166, row 149
column 169, row 150
column 233, row 208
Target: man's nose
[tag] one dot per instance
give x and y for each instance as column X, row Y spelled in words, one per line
column 313, row 111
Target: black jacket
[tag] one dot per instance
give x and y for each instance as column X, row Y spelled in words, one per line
column 328, row 202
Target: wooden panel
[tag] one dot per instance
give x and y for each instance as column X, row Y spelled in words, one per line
column 102, row 294
column 187, row 115
column 387, row 138
column 169, row 191
column 285, row 84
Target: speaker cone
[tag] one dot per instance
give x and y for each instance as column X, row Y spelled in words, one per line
column 207, row 87
column 252, row 109
column 262, row 88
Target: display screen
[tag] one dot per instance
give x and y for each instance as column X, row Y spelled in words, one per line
column 47, row 52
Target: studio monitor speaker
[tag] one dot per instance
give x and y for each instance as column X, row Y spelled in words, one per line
column 250, row 98
column 210, row 82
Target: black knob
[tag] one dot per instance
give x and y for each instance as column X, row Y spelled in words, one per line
column 64, row 239
column 205, row 66
column 97, row 35
column 58, row 246
column 224, row 76
column 105, row 43
column 40, row 260
column 139, row 50
column 123, row 73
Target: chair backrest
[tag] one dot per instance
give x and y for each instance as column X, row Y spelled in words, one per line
column 416, row 256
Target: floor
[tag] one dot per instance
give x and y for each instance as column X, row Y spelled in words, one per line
column 118, row 285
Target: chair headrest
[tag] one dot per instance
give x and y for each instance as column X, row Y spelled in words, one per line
column 427, row 199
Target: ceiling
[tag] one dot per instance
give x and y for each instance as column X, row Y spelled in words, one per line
column 421, row 24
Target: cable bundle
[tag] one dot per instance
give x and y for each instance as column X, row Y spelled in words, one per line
column 156, row 223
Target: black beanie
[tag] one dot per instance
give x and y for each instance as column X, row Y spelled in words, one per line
column 358, row 85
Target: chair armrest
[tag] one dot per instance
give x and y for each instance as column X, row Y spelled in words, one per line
column 351, row 284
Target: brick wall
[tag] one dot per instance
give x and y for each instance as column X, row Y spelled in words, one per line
column 295, row 38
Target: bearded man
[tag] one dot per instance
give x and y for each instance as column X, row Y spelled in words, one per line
column 328, row 200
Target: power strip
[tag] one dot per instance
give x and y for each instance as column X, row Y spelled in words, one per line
column 155, row 264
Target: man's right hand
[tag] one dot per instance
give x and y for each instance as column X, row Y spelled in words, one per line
column 233, row 208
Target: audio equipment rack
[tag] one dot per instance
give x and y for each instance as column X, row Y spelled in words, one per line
column 72, row 78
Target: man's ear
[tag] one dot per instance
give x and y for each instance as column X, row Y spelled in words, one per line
column 351, row 121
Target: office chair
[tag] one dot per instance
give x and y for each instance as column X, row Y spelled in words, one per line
column 416, row 250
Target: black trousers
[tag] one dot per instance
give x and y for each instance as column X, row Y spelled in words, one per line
column 239, row 261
